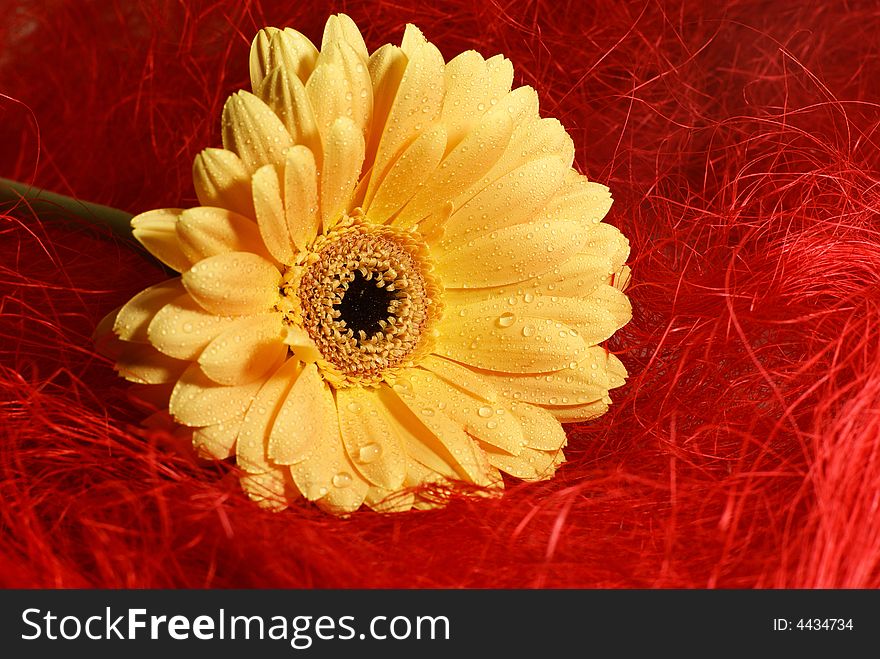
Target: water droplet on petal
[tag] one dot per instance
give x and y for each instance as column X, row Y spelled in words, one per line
column 368, row 453
column 485, row 411
column 353, row 407
column 342, row 479
column 505, row 320
column 528, row 330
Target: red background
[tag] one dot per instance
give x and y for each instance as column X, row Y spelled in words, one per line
column 739, row 141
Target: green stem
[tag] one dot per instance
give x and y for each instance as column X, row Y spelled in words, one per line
column 47, row 203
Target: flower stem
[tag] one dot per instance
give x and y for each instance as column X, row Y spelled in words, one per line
column 48, row 203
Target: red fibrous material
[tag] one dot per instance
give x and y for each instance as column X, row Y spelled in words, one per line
column 739, row 141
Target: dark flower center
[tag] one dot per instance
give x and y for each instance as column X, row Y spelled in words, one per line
column 364, row 304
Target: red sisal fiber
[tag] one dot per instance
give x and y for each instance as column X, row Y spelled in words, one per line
column 740, row 142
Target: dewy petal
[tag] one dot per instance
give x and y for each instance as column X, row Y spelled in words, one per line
column 234, row 284
column 508, row 255
column 512, row 199
column 143, row 364
column 199, row 401
column 490, row 423
column 300, row 420
column 272, row 490
column 268, row 484
column 437, row 433
column 584, row 383
column 325, row 472
column 217, row 442
column 341, row 29
column 386, row 67
column 156, row 231
column 460, row 169
column 245, row 351
column 370, row 437
column 343, row 157
column 133, row 319
column 286, row 95
column 182, row 328
column 301, row 197
column 253, row 131
column 270, row 214
column 497, row 336
column 340, row 87
column 541, row 430
column 221, row 180
column 416, row 104
column 387, row 501
column 532, row 139
column 530, row 465
column 288, row 49
column 461, row 377
column 252, row 449
column 473, row 86
column 203, row 232
column 596, row 315
column 407, row 174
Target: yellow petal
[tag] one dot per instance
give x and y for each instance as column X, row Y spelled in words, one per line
column 416, row 104
column 386, row 501
column 490, row 423
column 532, row 139
column 325, row 471
column 370, row 438
column 234, row 284
column 301, row 196
column 300, row 420
column 286, row 95
column 341, row 29
column 595, row 316
column 253, row 131
column 132, row 320
column 541, row 430
column 460, row 376
column 221, row 180
column 287, row 49
column 270, row 214
column 272, row 490
column 143, row 364
column 386, row 67
column 204, row 232
column 407, row 174
column 473, row 86
column 507, row 255
column 499, row 336
column 343, row 157
column 217, row 442
column 199, row 401
column 580, row 199
column 530, row 465
column 105, row 340
column 182, row 328
column 420, row 423
column 577, row 413
column 155, row 230
column 516, row 197
column 460, row 169
column 586, row 382
column 252, row 449
column 340, row 87
column 245, row 351
column 597, row 261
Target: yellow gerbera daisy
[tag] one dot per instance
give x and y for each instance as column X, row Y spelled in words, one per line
column 395, row 279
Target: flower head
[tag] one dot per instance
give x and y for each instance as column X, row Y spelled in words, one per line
column 395, row 279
